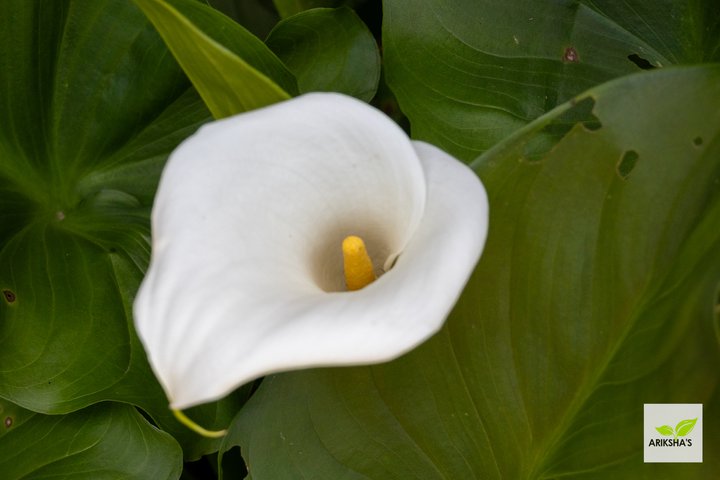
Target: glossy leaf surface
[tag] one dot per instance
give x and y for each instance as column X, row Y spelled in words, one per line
column 92, row 104
column 329, row 50
column 103, row 441
column 87, row 126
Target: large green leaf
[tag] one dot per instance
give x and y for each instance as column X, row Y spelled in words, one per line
column 595, row 293
column 104, row 441
column 328, row 50
column 481, row 69
column 231, row 68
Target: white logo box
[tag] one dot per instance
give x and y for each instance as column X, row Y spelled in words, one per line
column 678, row 441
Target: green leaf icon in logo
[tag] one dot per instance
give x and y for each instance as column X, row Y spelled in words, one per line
column 684, row 427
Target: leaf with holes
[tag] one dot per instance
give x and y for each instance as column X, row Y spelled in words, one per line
column 480, row 69
column 595, row 291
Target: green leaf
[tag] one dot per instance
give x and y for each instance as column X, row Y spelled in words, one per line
column 328, row 50
column 684, row 427
column 481, row 69
column 231, row 69
column 595, row 291
column 66, row 332
column 103, row 441
column 666, row 430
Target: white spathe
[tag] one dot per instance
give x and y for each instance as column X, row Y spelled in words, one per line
column 246, row 272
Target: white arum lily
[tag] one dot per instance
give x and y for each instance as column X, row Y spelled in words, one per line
column 247, row 274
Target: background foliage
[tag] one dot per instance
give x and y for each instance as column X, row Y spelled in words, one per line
column 597, row 292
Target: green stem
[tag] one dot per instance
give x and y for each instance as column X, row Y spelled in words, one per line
column 197, row 428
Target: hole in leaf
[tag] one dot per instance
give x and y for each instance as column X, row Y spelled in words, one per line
column 640, row 62
column 543, row 141
column 571, row 55
column 203, row 468
column 8, row 422
column 592, row 124
column 233, row 464
column 9, row 295
column 627, row 163
column 697, row 141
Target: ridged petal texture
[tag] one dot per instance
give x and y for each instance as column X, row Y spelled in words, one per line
column 246, row 272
